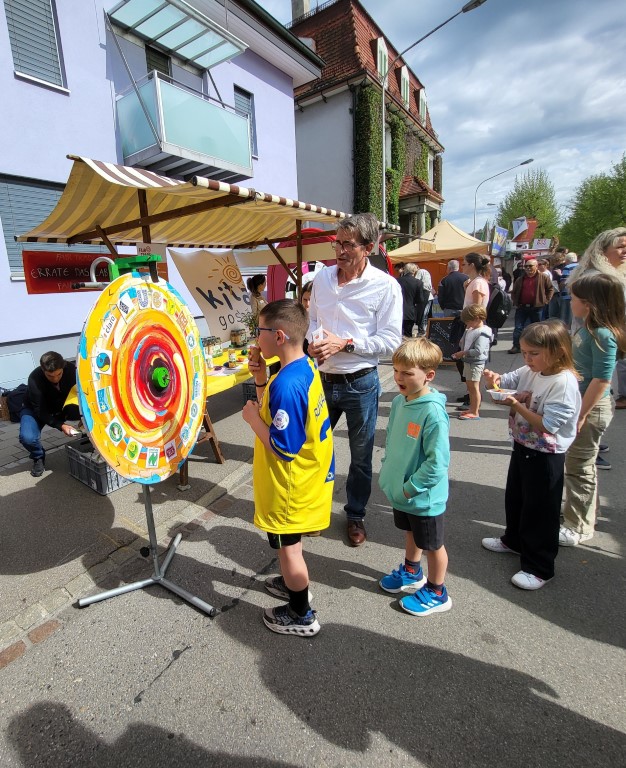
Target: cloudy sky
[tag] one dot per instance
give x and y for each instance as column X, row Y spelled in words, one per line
column 511, row 80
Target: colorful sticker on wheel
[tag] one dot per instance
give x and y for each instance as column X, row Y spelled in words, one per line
column 141, row 378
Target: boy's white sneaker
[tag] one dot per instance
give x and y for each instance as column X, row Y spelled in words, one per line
column 569, row 538
column 525, row 580
column 497, row 545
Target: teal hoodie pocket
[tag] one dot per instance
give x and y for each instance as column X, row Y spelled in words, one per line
column 420, row 502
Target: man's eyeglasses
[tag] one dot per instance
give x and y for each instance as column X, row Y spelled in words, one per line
column 259, row 328
column 530, row 266
column 346, row 245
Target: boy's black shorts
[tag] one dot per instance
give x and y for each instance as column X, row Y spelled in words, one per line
column 427, row 531
column 279, row 540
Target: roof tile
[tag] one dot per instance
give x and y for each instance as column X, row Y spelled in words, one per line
column 413, row 185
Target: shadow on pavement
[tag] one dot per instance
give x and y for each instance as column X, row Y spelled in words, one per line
column 443, row 708
column 47, row 735
column 43, row 526
column 586, row 616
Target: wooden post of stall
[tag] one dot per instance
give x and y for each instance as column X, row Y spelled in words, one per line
column 299, row 259
column 107, row 242
column 145, row 229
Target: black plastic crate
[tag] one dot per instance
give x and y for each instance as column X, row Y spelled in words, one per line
column 94, row 472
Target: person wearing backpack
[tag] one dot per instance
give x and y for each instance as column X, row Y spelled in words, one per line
column 44, row 404
column 498, row 309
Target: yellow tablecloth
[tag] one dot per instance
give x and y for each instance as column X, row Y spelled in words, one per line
column 220, row 381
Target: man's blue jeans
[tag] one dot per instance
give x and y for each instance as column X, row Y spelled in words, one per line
column 525, row 316
column 566, row 310
column 30, row 434
column 423, row 320
column 359, row 401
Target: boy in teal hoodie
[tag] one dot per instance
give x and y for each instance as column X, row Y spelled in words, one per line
column 414, row 477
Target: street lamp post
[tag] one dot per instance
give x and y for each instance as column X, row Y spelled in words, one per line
column 385, row 79
column 524, row 162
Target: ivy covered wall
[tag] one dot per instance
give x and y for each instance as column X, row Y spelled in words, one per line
column 368, row 152
column 438, row 174
column 408, row 155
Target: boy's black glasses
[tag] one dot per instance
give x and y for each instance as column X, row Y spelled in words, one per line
column 259, row 328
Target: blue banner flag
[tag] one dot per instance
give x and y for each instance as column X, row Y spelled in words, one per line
column 499, row 240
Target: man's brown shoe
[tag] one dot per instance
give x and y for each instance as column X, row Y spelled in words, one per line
column 356, row 533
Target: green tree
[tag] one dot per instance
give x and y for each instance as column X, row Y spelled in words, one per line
column 532, row 196
column 599, row 203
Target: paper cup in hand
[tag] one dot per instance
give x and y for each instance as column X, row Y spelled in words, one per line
column 254, row 356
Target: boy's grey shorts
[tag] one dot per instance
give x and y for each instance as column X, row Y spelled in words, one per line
column 473, row 371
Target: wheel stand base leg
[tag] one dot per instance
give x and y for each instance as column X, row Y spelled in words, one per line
column 157, row 579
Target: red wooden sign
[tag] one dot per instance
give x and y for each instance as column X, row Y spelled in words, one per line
column 57, row 272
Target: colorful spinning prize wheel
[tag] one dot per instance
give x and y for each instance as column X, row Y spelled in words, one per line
column 141, row 378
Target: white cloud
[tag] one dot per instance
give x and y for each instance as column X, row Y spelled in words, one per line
column 509, row 81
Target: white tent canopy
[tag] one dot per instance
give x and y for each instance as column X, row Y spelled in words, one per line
column 451, row 243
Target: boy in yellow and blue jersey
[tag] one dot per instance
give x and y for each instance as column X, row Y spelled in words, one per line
column 294, row 466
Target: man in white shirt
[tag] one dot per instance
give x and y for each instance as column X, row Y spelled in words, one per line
column 355, row 317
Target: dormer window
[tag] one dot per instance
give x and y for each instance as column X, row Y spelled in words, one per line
column 382, row 57
column 404, row 85
column 423, row 105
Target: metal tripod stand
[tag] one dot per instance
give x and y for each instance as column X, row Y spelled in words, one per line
column 159, row 570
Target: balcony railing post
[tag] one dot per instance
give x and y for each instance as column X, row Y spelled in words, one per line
column 159, row 105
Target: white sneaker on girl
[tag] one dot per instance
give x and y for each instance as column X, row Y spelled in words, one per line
column 497, row 545
column 525, row 580
column 569, row 538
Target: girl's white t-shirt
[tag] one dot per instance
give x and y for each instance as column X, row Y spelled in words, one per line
column 556, row 398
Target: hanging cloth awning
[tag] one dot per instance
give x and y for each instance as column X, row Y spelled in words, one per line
column 122, row 205
column 176, row 27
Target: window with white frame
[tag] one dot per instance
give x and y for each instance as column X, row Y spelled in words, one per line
column 404, row 85
column 34, row 40
column 431, row 169
column 25, row 203
column 423, row 104
column 382, row 57
column 244, row 105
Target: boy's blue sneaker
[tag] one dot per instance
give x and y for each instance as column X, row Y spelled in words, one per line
column 426, row 601
column 401, row 580
column 286, row 622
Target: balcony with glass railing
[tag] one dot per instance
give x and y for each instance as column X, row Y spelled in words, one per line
column 168, row 128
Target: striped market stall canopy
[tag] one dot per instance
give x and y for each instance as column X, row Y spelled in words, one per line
column 118, row 205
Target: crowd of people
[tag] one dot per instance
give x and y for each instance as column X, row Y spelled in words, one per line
column 559, row 404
